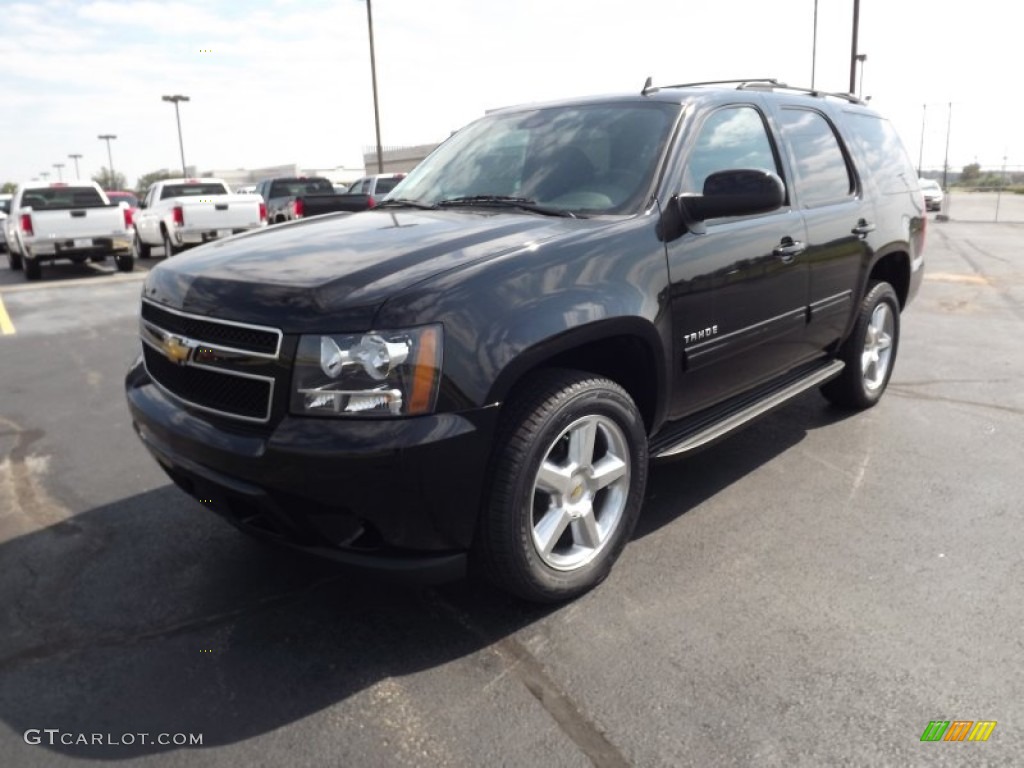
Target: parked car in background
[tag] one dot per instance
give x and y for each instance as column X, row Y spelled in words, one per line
column 74, row 221
column 128, row 198
column 5, row 208
column 933, row 195
column 296, row 197
column 246, row 189
column 376, row 187
column 178, row 213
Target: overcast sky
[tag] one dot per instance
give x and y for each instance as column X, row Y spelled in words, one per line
column 288, row 81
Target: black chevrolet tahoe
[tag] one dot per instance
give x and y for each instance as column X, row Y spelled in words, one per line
column 477, row 372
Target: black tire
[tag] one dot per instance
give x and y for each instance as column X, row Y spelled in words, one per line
column 32, row 268
column 169, row 247
column 125, row 261
column 141, row 250
column 13, row 259
column 877, row 335
column 588, row 522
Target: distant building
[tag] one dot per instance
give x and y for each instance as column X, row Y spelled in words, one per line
column 396, row 159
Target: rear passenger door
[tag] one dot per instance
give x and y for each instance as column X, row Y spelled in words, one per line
column 739, row 287
column 830, row 196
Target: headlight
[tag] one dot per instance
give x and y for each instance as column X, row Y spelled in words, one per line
column 381, row 373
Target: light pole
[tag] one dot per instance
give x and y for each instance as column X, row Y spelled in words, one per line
column 373, row 75
column 814, row 44
column 861, row 57
column 76, row 158
column 853, row 52
column 110, row 158
column 920, row 152
column 45, row 175
column 945, row 163
column 60, row 175
column 175, row 99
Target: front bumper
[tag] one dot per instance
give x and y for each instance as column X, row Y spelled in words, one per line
column 398, row 496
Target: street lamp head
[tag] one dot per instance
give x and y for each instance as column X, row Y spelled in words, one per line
column 106, row 136
column 175, row 98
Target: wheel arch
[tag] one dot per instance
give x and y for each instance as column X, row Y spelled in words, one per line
column 626, row 350
column 892, row 266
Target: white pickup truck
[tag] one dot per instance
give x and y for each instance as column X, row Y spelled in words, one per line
column 70, row 220
column 177, row 213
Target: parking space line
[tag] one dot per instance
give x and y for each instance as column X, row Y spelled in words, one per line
column 6, row 326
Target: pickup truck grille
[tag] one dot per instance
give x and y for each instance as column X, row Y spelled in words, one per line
column 217, row 366
column 216, row 333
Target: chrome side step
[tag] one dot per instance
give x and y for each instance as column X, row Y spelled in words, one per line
column 704, row 432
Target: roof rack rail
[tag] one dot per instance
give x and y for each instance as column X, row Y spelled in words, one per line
column 755, row 83
column 650, row 88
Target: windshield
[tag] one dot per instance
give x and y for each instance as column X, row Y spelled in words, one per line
column 593, row 159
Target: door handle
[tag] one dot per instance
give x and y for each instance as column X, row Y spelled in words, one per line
column 862, row 228
column 789, row 249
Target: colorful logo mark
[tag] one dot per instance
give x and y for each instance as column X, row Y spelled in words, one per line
column 958, row 730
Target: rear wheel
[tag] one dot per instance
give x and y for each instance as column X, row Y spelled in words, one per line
column 169, row 248
column 32, row 268
column 567, row 483
column 869, row 352
column 141, row 249
column 13, row 259
column 125, row 261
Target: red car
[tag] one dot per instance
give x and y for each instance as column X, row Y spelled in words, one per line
column 118, row 196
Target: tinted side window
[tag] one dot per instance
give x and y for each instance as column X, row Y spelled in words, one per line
column 732, row 138
column 886, row 157
column 822, row 175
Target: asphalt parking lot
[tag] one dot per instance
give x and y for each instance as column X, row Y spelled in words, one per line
column 812, row 591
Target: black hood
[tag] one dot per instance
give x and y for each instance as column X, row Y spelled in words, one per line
column 334, row 272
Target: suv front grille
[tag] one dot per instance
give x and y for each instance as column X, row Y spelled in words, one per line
column 209, row 364
column 209, row 389
column 215, row 333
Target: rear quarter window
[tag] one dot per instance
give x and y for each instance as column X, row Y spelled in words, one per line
column 883, row 152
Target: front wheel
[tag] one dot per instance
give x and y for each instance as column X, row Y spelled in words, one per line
column 869, row 352
column 566, row 487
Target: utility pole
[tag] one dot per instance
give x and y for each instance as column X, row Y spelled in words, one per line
column 76, row 158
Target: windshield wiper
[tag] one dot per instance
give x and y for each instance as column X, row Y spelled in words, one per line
column 506, row 201
column 404, row 202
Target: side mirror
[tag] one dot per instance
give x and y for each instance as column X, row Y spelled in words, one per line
column 741, row 192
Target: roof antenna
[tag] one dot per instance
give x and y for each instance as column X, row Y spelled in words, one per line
column 647, row 85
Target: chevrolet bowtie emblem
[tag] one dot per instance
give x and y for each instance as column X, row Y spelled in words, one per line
column 175, row 349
